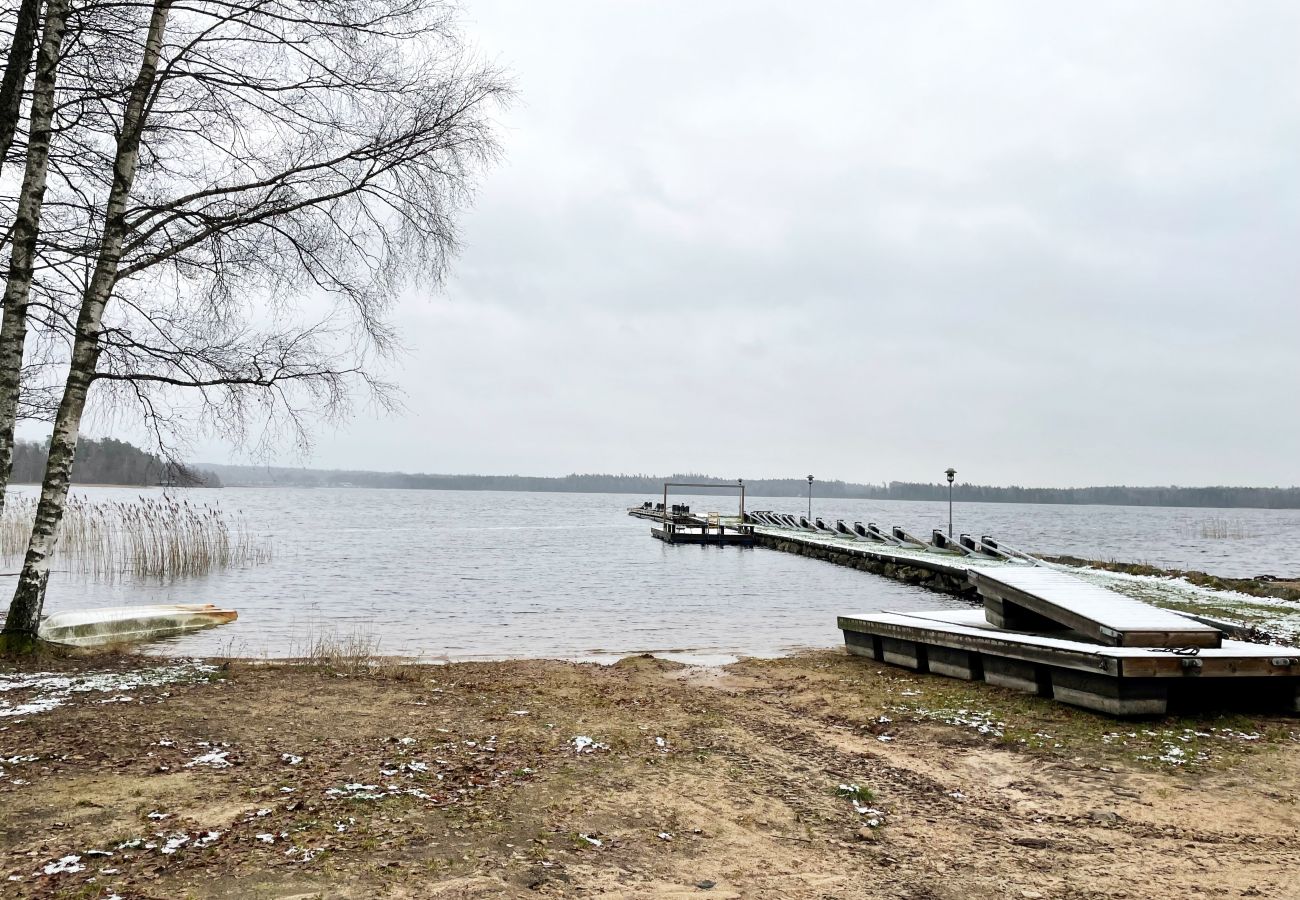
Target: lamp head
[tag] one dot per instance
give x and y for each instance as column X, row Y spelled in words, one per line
column 951, row 473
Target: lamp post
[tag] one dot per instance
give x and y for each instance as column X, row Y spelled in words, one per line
column 951, row 473
column 809, row 498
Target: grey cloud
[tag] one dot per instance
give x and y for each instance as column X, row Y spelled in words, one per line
column 1046, row 244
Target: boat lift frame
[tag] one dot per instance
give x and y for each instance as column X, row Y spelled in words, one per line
column 740, row 484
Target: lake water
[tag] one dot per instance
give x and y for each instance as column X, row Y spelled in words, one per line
column 448, row 574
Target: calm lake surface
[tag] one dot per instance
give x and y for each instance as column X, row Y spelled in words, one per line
column 450, row 574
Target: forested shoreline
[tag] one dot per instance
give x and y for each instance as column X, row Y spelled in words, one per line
column 652, row 485
column 109, row 461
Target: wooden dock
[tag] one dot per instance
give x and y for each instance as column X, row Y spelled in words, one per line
column 1120, row 681
column 1039, row 628
column 1037, row 598
column 654, row 512
column 718, row 536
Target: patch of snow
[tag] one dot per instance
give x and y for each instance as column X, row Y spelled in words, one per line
column 52, row 690
column 875, row 818
column 982, row 722
column 357, row 791
column 584, row 744
column 30, row 708
column 304, row 854
column 68, row 864
column 213, row 758
column 174, row 843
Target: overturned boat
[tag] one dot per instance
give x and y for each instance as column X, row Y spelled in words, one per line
column 130, row 624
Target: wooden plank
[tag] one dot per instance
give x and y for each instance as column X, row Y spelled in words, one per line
column 967, row 630
column 701, row 536
column 906, row 627
column 1096, row 613
column 935, row 561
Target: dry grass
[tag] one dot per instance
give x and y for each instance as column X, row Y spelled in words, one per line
column 158, row 538
column 352, row 653
column 697, row 776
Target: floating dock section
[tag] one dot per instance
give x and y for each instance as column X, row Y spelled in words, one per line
column 715, row 535
column 1039, row 598
column 1048, row 633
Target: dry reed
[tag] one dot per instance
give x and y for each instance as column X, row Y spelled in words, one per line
column 1223, row 529
column 152, row 537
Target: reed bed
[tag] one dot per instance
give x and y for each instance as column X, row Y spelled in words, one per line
column 1219, row 528
column 150, row 537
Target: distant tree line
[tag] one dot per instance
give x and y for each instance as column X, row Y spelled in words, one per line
column 652, row 485
column 109, row 461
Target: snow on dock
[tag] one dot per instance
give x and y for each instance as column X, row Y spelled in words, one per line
column 1026, row 597
column 1121, row 681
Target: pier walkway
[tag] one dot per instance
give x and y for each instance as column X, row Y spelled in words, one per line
column 1041, row 628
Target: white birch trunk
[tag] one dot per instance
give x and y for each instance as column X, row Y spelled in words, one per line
column 29, row 597
column 27, row 223
column 26, row 24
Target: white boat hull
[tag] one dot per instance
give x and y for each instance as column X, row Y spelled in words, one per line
column 125, row 624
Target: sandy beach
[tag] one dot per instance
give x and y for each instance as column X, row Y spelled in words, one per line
column 814, row 776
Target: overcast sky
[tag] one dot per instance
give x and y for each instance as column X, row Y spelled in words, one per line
column 1050, row 244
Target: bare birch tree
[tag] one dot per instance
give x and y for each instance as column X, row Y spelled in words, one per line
column 279, row 170
column 18, row 61
column 26, row 226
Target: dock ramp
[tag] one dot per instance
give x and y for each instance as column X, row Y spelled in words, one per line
column 1037, row 598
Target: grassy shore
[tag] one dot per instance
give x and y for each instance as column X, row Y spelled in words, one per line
column 815, row 776
column 1285, row 588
